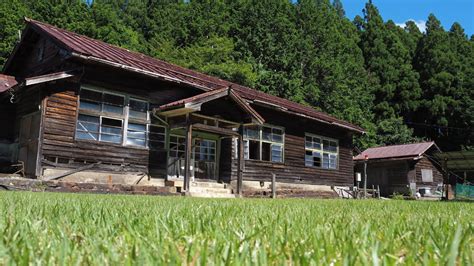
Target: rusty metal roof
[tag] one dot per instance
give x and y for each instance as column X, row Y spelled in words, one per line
column 7, row 82
column 396, row 151
column 100, row 52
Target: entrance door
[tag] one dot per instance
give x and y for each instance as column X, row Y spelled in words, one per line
column 204, row 154
column 28, row 142
column 176, row 158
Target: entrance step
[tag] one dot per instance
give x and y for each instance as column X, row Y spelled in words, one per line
column 204, row 189
column 208, row 184
column 210, row 190
column 210, row 195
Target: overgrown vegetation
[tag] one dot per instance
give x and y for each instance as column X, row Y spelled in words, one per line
column 400, row 84
column 78, row 229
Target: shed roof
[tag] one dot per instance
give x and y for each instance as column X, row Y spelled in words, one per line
column 7, row 82
column 100, row 52
column 396, row 151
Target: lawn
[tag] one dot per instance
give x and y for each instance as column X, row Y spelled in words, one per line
column 55, row 228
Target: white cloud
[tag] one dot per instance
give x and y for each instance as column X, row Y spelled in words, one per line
column 421, row 24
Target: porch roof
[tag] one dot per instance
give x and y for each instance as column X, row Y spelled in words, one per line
column 194, row 103
column 7, row 82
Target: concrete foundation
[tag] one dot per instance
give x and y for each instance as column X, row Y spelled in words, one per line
column 105, row 178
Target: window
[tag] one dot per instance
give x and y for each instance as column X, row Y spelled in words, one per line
column 426, row 175
column 177, row 147
column 138, row 109
column 321, row 152
column 101, row 102
column 263, row 143
column 205, row 150
column 115, row 118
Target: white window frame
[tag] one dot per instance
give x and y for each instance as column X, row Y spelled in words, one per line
column 322, row 151
column 424, row 172
column 124, row 117
column 246, row 142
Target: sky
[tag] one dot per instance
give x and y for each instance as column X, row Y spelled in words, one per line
column 447, row 11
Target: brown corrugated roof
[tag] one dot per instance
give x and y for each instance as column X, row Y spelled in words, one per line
column 6, row 82
column 98, row 51
column 395, row 151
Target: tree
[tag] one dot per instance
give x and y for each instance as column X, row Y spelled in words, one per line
column 388, row 60
column 445, row 61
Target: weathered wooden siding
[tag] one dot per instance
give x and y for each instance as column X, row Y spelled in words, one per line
column 58, row 137
column 426, row 163
column 293, row 169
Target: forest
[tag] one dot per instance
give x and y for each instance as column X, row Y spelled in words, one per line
column 400, row 84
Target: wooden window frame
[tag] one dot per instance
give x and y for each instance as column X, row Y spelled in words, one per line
column 124, row 117
column 246, row 142
column 321, row 151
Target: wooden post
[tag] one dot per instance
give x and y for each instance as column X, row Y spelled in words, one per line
column 446, row 177
column 365, row 179
column 187, row 158
column 274, row 194
column 240, row 161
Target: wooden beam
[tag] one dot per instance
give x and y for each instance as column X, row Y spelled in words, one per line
column 187, row 158
column 48, row 77
column 217, row 130
column 240, row 161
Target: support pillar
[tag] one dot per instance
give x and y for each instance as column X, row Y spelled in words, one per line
column 240, row 161
column 187, row 158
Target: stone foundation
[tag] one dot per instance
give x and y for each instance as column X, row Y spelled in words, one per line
column 257, row 189
column 83, row 187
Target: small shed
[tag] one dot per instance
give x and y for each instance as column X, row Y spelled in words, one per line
column 402, row 169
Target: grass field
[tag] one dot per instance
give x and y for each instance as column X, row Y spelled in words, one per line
column 72, row 229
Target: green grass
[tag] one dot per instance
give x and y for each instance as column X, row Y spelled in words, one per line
column 54, row 228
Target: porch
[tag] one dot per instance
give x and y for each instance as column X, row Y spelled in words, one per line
column 200, row 128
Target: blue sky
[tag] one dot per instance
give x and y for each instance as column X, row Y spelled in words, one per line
column 447, row 11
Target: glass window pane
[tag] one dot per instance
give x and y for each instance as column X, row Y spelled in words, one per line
column 317, row 143
column 87, row 105
column 136, row 135
column 266, row 133
column 136, row 142
column 93, row 96
column 136, row 127
column 87, row 135
column 251, row 132
column 115, row 100
column 88, row 123
column 138, row 106
column 157, row 129
column 308, row 142
column 111, row 138
column 326, row 145
column 325, row 160
column 140, row 115
column 277, row 154
column 113, row 109
column 332, row 146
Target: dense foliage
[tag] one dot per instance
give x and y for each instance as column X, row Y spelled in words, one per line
column 75, row 229
column 400, row 84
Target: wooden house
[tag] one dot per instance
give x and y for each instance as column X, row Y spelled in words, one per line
column 68, row 101
column 403, row 169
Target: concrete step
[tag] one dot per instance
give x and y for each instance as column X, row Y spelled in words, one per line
column 209, row 195
column 208, row 184
column 210, row 190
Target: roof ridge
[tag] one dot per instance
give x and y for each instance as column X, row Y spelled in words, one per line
column 97, row 50
column 138, row 54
